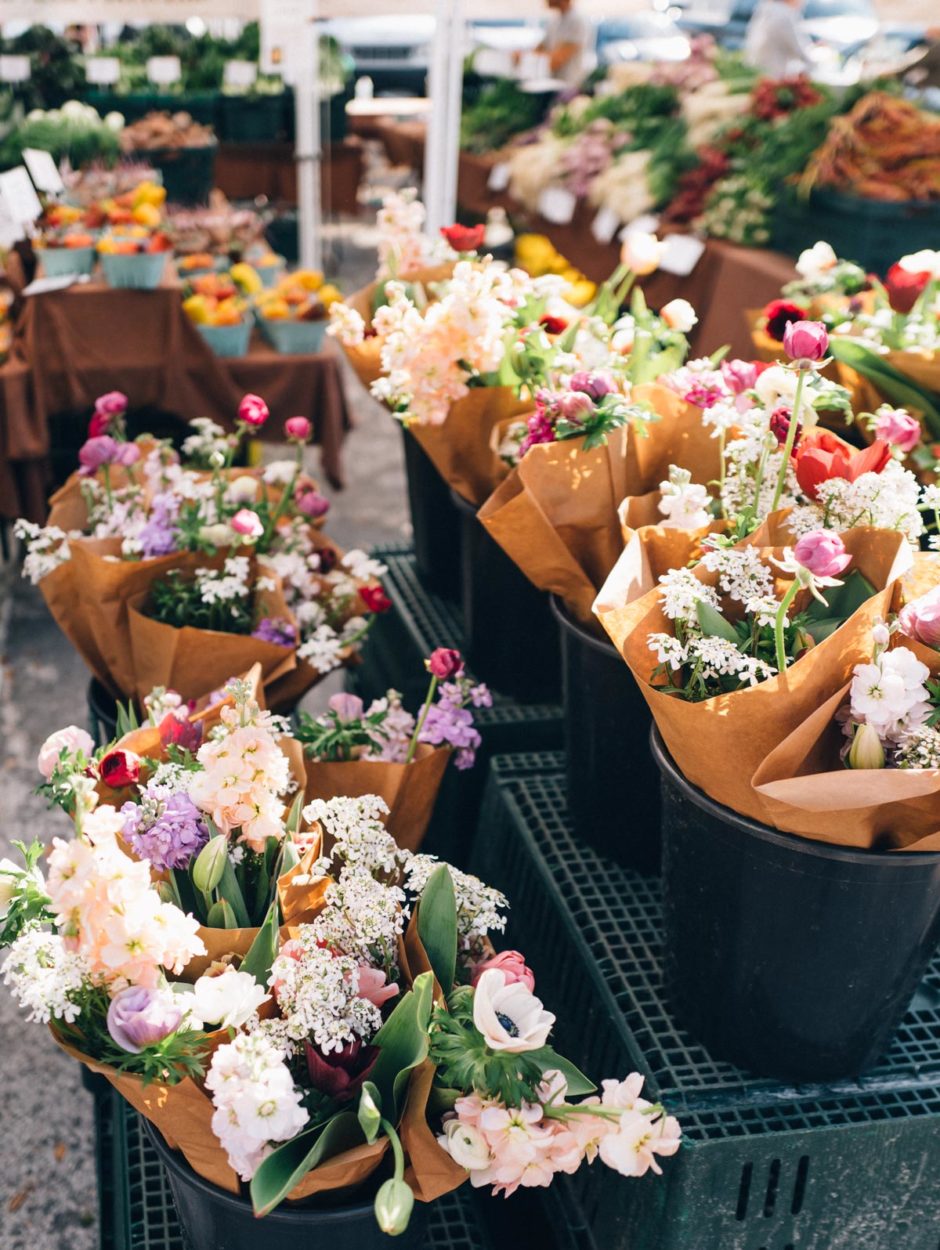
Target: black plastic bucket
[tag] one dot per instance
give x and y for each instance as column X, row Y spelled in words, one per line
column 435, row 522
column 510, row 636
column 102, row 713
column 792, row 958
column 213, row 1219
column 613, row 789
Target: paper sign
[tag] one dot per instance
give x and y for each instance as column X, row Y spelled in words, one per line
column 556, row 204
column 15, row 68
column 604, row 226
column 287, row 45
column 10, row 231
column 681, row 253
column 43, row 171
column 103, row 70
column 240, row 73
column 499, row 177
column 42, row 286
column 648, row 223
column 19, row 196
column 164, row 70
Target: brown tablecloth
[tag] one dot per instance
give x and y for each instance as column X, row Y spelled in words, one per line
column 71, row 346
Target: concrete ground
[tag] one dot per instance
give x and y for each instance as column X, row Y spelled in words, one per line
column 48, row 1197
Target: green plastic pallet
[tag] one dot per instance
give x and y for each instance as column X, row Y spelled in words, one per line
column 393, row 658
column 137, row 1206
column 764, row 1166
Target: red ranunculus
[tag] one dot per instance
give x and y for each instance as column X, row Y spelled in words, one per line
column 553, row 325
column 183, row 733
column 375, row 598
column 119, row 768
column 904, row 288
column 778, row 314
column 99, row 424
column 822, row 455
column 464, row 238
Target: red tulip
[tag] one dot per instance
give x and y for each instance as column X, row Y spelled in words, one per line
column 375, row 598
column 553, row 325
column 822, row 455
column 464, row 238
column 904, row 288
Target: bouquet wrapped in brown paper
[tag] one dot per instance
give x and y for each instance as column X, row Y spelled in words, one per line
column 173, row 575
column 864, row 769
column 387, row 751
column 735, row 653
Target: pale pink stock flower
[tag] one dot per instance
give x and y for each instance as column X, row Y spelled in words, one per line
column 639, row 1138
column 72, row 740
column 244, row 774
column 920, row 619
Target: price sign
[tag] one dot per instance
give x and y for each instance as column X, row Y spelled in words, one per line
column 240, row 73
column 681, row 253
column 103, row 71
column 557, row 204
column 15, row 69
column 604, row 226
column 499, row 177
column 164, row 70
column 19, row 196
column 43, row 171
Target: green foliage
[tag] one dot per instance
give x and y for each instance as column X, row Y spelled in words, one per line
column 29, row 905
column 176, row 600
column 327, row 737
column 500, row 111
column 437, row 925
column 640, row 110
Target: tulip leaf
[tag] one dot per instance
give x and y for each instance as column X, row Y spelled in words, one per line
column 403, row 1043
column 437, row 925
column 714, row 624
column 821, row 620
column 370, row 1111
column 231, row 891
column 287, row 1165
column 548, row 1060
column 293, row 816
column 221, row 916
column 263, row 950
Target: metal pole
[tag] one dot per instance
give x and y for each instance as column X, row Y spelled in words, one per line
column 308, row 152
column 445, row 82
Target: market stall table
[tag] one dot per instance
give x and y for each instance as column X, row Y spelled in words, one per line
column 71, row 346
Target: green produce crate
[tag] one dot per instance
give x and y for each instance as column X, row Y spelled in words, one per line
column 393, row 656
column 252, row 119
column 138, row 1211
column 764, row 1166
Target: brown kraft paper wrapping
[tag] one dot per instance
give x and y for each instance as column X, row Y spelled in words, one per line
column 719, row 743
column 460, row 447
column 921, row 367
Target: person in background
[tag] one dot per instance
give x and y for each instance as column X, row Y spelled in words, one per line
column 566, row 42
column 774, row 42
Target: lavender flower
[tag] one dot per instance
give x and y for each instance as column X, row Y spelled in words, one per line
column 165, row 828
column 139, row 1017
column 277, row 630
column 159, row 536
column 449, row 723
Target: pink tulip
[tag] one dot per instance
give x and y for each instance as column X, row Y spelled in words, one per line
column 373, row 985
column 806, row 340
column 445, row 663
column 511, row 964
column 920, row 619
column 127, row 454
column 253, row 411
column 740, row 375
column 298, row 429
column 822, row 553
column 111, row 404
column 898, row 428
column 597, row 385
column 247, row 523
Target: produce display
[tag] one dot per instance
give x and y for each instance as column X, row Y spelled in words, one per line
column 165, row 130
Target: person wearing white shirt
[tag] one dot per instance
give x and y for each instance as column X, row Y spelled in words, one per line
column 566, row 42
column 774, row 43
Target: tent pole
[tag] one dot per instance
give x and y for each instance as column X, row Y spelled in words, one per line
column 308, row 149
column 445, row 84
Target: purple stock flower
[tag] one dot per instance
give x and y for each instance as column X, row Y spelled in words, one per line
column 138, row 1017
column 167, row 831
column 540, row 429
column 597, row 385
column 159, row 536
column 449, row 724
column 277, row 630
column 347, row 707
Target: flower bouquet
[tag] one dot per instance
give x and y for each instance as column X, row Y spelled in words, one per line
column 162, row 574
column 385, row 750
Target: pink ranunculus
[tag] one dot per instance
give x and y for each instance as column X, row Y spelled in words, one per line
column 127, row 454
column 573, row 406
column 111, row 404
column 740, row 375
column 71, row 739
column 445, row 663
column 298, row 429
column 898, row 428
column 139, row 1017
column 597, row 385
column 822, row 553
column 96, row 452
column 374, row 987
column 513, row 966
column 253, row 411
column 920, row 619
column 346, row 706
column 247, row 523
column 806, row 340
column 310, row 502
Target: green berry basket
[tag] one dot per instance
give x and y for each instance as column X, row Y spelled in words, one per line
column 61, row 262
column 228, row 340
column 294, row 338
column 139, row 271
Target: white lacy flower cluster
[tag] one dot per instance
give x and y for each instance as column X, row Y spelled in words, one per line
column 226, row 585
column 44, row 976
column 46, row 548
column 430, row 354
column 479, row 906
column 357, row 837
column 210, row 439
column 317, row 991
column 919, row 749
column 244, row 776
column 106, row 906
column 256, row 1102
column 889, row 500
column 742, row 577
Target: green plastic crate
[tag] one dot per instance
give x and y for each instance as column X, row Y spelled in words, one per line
column 138, row 1211
column 765, row 1166
column 393, row 656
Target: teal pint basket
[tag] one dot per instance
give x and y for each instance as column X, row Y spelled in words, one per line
column 142, row 271
column 228, row 340
column 294, row 338
column 62, row 262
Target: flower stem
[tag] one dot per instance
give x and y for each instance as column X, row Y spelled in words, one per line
column 791, row 437
column 413, row 744
column 780, row 622
column 397, row 1152
column 106, row 474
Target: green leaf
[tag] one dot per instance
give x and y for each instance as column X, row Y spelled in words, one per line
column 286, row 1166
column 293, row 816
column 714, row 624
column 209, row 865
column 842, row 601
column 717, row 357
column 548, row 1060
column 437, row 925
column 263, row 950
column 897, row 386
column 232, row 893
column 221, row 916
column 369, row 1112
column 403, row 1043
